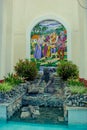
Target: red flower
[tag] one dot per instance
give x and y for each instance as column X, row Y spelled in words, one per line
column 84, row 81
column 1, row 81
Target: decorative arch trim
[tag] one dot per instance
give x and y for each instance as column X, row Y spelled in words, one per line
column 46, row 17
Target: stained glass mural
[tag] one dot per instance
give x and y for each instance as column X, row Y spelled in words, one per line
column 48, row 43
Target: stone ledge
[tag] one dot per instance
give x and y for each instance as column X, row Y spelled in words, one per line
column 8, row 109
column 76, row 108
column 75, row 115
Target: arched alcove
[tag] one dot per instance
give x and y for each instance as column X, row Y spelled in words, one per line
column 48, row 41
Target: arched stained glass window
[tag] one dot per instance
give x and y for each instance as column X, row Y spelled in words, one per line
column 48, row 43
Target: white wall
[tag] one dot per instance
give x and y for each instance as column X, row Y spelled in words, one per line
column 1, row 2
column 19, row 15
column 31, row 10
column 83, row 42
column 2, row 69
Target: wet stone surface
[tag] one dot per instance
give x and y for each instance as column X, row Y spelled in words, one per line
column 48, row 115
column 44, row 99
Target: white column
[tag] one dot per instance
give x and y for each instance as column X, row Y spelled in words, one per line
column 9, row 36
column 6, row 39
column 2, row 44
column 83, row 11
column 83, row 40
column 1, row 3
column 85, row 36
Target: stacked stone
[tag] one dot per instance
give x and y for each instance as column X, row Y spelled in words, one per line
column 76, row 100
column 46, row 100
column 57, row 82
column 9, row 97
column 29, row 112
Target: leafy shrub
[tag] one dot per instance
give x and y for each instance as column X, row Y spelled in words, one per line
column 78, row 89
column 74, row 82
column 5, row 87
column 13, row 79
column 67, row 70
column 26, row 69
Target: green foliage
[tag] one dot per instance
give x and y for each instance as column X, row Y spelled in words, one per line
column 67, row 70
column 13, row 79
column 74, row 82
column 5, row 87
column 38, row 65
column 78, row 89
column 26, row 69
